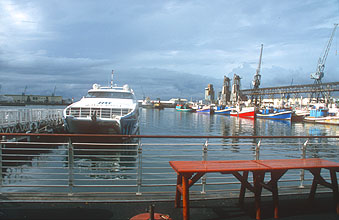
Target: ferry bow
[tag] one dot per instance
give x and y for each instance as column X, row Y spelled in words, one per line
column 106, row 110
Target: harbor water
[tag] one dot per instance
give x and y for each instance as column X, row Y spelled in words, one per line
column 144, row 167
column 171, row 122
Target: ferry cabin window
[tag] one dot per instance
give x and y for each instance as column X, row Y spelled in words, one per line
column 116, row 95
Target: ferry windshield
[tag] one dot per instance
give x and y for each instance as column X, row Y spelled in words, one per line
column 114, row 95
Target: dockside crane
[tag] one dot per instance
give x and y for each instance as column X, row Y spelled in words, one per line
column 24, row 92
column 319, row 74
column 257, row 78
column 53, row 93
column 23, row 95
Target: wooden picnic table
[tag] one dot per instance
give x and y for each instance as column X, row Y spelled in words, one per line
column 189, row 172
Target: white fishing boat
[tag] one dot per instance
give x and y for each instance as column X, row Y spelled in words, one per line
column 106, row 110
column 323, row 115
column 147, row 103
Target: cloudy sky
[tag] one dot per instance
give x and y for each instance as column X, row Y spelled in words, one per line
column 166, row 48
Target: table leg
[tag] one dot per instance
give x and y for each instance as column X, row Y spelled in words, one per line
column 316, row 176
column 178, row 193
column 258, row 178
column 275, row 176
column 185, row 198
column 243, row 189
column 334, row 183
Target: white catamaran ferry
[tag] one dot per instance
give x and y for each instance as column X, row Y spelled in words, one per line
column 105, row 110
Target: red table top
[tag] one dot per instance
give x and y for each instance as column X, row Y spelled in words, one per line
column 298, row 163
column 215, row 166
column 250, row 165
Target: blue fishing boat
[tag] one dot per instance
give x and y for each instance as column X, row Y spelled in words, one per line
column 273, row 113
column 221, row 110
column 206, row 109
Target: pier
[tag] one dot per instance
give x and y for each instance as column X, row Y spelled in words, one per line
column 30, row 120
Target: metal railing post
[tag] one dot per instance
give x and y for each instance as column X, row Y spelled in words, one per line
column 303, row 156
column 70, row 166
column 1, row 147
column 204, row 158
column 257, row 150
column 139, row 169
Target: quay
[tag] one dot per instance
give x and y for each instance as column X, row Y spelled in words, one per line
column 67, row 176
column 30, row 120
column 292, row 207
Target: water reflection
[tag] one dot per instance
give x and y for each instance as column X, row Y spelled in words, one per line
column 41, row 164
column 268, row 127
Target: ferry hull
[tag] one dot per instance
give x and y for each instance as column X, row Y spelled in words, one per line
column 89, row 126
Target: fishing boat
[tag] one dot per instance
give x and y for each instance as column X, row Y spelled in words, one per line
column 146, row 103
column 206, row 109
column 183, row 108
column 298, row 115
column 323, row 116
column 247, row 112
column 221, row 110
column 158, row 105
column 106, row 110
column 274, row 113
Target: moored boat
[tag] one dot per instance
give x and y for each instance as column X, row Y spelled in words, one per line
column 158, row 105
column 146, row 103
column 107, row 110
column 183, row 108
column 274, row 113
column 221, row 110
column 298, row 115
column 206, row 109
column 248, row 112
column 322, row 116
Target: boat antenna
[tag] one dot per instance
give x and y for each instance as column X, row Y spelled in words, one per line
column 112, row 79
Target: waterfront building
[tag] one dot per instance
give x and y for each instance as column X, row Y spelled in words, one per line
column 209, row 93
column 235, row 94
column 225, row 94
column 36, row 99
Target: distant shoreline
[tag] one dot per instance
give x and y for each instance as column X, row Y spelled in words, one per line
column 25, row 104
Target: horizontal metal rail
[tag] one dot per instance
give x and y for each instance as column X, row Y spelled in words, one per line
column 254, row 137
column 73, row 169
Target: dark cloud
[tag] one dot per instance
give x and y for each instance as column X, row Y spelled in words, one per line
column 161, row 48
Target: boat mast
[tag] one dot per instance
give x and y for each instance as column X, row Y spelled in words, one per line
column 112, row 79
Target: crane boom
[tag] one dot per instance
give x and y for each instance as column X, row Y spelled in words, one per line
column 257, row 76
column 319, row 74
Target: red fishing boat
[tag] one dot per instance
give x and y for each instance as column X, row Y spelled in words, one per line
column 248, row 112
